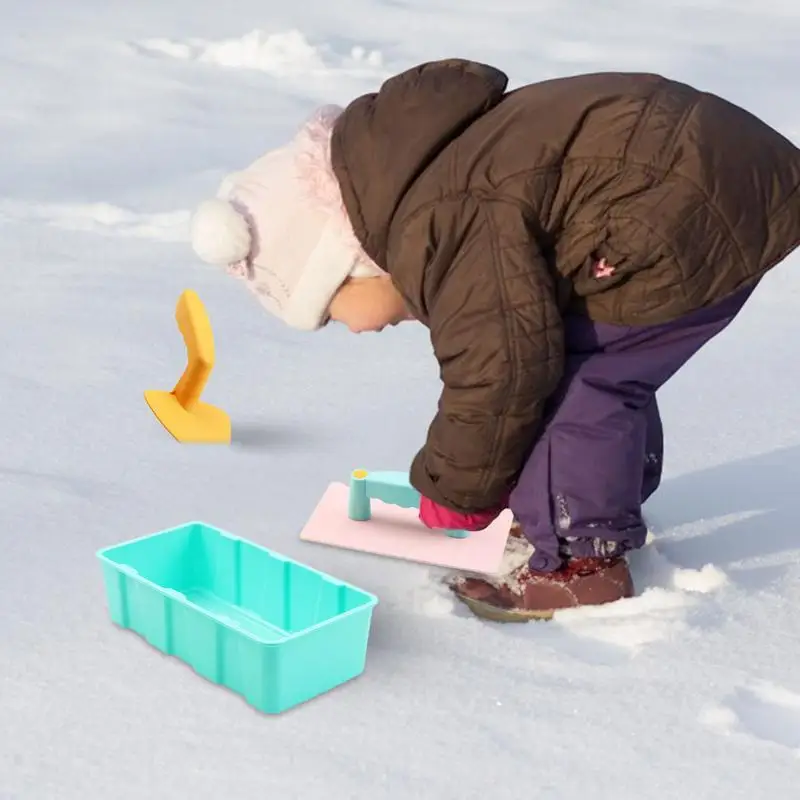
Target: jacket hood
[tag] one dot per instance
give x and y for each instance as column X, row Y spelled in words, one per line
column 384, row 140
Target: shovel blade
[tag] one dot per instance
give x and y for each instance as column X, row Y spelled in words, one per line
column 204, row 424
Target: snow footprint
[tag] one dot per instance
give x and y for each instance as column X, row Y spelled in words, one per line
column 763, row 711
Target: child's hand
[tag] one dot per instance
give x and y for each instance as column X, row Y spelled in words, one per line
column 435, row 516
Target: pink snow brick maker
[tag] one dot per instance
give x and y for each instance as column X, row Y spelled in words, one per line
column 378, row 513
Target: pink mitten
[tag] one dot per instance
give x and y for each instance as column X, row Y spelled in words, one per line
column 433, row 515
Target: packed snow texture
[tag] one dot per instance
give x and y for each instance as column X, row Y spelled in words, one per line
column 116, row 120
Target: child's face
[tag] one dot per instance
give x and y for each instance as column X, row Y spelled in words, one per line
column 368, row 304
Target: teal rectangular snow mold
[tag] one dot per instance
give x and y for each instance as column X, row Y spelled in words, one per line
column 271, row 629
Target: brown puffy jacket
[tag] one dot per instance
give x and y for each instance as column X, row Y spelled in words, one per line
column 489, row 208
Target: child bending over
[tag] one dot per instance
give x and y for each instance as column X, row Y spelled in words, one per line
column 570, row 245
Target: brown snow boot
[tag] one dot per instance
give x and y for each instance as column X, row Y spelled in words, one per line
column 522, row 595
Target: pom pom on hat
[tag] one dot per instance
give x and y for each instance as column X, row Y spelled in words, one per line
column 220, row 234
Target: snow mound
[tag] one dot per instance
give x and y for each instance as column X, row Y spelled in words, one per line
column 666, row 596
column 287, row 53
column 100, row 218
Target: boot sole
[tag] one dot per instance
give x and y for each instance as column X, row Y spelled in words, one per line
column 494, row 614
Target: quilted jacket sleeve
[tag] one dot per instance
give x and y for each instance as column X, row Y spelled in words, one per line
column 496, row 330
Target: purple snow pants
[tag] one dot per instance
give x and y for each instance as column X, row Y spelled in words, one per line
column 600, row 452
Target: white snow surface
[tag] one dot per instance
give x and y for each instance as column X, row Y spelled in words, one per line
column 115, row 120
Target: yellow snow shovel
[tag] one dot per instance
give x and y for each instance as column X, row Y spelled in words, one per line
column 180, row 411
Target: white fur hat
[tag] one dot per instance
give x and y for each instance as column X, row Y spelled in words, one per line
column 280, row 225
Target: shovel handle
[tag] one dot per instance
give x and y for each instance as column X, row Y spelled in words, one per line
column 195, row 328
